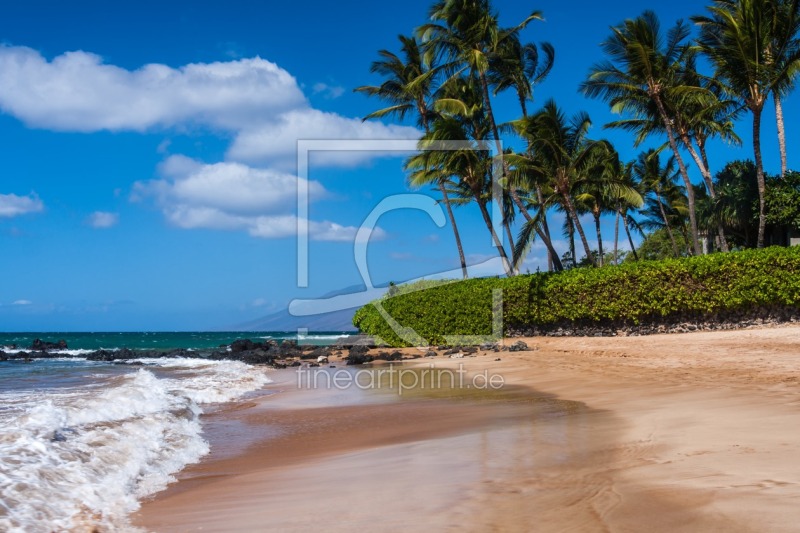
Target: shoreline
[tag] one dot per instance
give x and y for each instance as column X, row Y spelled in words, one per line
column 674, row 431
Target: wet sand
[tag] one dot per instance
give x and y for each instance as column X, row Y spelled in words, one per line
column 691, row 432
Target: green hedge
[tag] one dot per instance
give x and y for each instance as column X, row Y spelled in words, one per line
column 630, row 293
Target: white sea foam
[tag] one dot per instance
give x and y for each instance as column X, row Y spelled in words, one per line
column 64, row 353
column 320, row 337
column 312, row 337
column 86, row 456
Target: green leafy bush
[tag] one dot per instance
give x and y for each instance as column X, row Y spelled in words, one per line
column 631, row 293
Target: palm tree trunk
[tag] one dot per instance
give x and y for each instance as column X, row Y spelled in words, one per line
column 762, row 217
column 684, row 173
column 446, row 199
column 666, row 226
column 630, row 239
column 509, row 236
column 497, row 244
column 551, row 256
column 701, row 165
column 781, row 131
column 701, row 146
column 599, row 238
column 545, row 237
column 574, row 215
column 616, row 237
column 455, row 230
column 571, row 230
column 490, row 117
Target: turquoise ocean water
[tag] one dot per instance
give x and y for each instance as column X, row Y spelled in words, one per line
column 82, row 442
column 201, row 340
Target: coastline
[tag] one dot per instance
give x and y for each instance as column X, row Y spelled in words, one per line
column 692, row 431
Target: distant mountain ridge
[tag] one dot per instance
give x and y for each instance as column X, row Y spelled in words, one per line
column 341, row 320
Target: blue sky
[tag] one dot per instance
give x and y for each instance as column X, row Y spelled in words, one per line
column 149, row 166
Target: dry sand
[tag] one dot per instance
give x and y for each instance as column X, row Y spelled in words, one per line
column 690, row 432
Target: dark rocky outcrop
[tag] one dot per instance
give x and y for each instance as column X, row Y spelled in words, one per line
column 244, row 345
column 466, row 350
column 386, row 356
column 518, row 346
column 317, row 352
column 358, row 355
column 39, row 345
column 675, row 323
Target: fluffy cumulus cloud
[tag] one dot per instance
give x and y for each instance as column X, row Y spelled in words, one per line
column 12, row 205
column 261, row 103
column 254, row 102
column 233, row 196
column 102, row 219
column 349, row 141
column 76, row 91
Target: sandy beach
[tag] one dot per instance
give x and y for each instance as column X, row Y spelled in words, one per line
column 689, row 432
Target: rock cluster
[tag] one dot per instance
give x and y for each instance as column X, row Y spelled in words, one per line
column 676, row 323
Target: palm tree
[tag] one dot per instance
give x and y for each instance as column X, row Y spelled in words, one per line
column 470, row 168
column 643, row 67
column 624, row 206
column 740, row 41
column 701, row 114
column 604, row 192
column 560, row 152
column 408, row 87
column 664, row 195
column 517, row 66
column 785, row 25
column 467, row 36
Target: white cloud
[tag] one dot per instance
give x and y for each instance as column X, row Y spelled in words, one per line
column 22, row 302
column 233, row 187
column 76, row 91
column 255, row 99
column 232, row 196
column 12, row 205
column 102, row 219
column 254, row 102
column 287, row 226
column 275, row 142
column 328, row 91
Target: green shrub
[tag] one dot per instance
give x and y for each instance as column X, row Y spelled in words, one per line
column 632, row 293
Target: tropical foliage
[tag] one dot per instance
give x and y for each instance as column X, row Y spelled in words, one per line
column 450, row 71
column 633, row 293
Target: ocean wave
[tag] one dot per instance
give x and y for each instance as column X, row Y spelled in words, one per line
column 65, row 353
column 72, row 458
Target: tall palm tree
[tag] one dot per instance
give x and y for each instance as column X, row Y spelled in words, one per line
column 625, row 206
column 643, row 66
column 467, row 36
column 785, row 24
column 470, row 168
column 659, row 184
column 739, row 39
column 559, row 151
column 522, row 67
column 409, row 87
column 605, row 189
